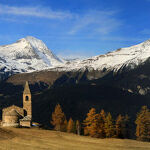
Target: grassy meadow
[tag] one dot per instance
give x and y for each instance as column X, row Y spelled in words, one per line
column 39, row 139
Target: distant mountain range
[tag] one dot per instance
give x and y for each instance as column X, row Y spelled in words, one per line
column 30, row 54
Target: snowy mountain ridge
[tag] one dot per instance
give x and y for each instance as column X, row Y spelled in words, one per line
column 123, row 57
column 30, row 54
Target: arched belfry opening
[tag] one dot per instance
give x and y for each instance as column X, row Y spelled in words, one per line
column 27, row 102
column 27, row 98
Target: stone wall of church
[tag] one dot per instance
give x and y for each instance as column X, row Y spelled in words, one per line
column 25, row 123
column 10, row 121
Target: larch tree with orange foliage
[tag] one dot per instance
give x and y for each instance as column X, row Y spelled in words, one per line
column 58, row 118
column 70, row 126
column 118, row 126
column 101, row 124
column 122, row 126
column 143, row 124
column 91, row 123
column 109, row 126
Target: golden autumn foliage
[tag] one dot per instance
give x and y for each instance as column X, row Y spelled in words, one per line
column 70, row 126
column 94, row 124
column 58, row 118
column 119, row 122
column 143, row 124
column 101, row 124
column 122, row 126
column 91, row 123
column 109, row 126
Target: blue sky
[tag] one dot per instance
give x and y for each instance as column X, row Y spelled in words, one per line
column 76, row 28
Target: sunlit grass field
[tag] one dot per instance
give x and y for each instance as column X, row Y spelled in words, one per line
column 39, row 139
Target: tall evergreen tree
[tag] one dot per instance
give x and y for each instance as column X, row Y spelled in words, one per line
column 143, row 124
column 70, row 127
column 109, row 126
column 58, row 118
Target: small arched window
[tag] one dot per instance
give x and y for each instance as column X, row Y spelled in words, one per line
column 27, row 98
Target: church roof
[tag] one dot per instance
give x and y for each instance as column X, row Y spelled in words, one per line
column 12, row 112
column 26, row 118
column 26, row 88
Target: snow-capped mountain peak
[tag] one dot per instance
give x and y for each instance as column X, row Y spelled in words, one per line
column 27, row 54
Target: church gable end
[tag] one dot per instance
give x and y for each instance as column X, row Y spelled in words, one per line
column 18, row 109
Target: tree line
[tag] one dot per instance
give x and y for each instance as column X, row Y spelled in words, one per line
column 102, row 124
column 60, row 122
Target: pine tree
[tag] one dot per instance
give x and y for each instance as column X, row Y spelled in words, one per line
column 70, row 127
column 58, row 118
column 109, row 126
column 91, row 123
column 78, row 127
column 143, row 124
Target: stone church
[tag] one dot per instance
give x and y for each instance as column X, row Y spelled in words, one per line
column 15, row 116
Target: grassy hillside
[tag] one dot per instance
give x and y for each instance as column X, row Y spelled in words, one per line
column 39, row 139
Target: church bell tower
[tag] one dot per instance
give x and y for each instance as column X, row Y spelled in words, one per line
column 27, row 101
